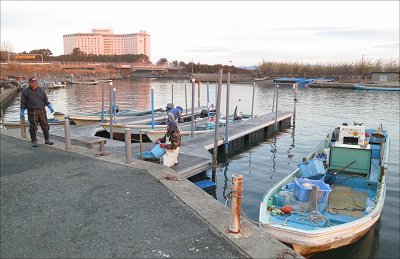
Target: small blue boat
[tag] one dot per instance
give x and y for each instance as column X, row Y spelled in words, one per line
column 334, row 196
column 376, row 88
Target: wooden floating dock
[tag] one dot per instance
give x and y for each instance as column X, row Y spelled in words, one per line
column 194, row 156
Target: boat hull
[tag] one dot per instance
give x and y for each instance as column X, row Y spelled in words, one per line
column 376, row 88
column 307, row 245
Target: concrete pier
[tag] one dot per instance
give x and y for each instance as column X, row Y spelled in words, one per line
column 58, row 203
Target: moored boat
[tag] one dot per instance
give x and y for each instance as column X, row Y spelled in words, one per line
column 376, row 88
column 334, row 197
column 93, row 118
column 17, row 124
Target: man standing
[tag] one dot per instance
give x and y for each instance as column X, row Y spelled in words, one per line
column 34, row 99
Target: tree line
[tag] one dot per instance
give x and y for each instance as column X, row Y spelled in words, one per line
column 79, row 56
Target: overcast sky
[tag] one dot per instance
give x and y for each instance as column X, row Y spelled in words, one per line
column 243, row 32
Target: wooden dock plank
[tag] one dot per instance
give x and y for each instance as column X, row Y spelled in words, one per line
column 194, row 156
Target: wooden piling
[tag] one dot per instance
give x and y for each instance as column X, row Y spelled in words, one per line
column 67, row 133
column 228, row 86
column 252, row 100
column 186, row 100
column 192, row 115
column 111, row 111
column 198, row 93
column 141, row 144
column 236, row 203
column 128, row 155
column 218, row 108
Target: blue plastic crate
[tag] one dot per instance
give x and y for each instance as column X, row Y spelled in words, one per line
column 312, row 168
column 147, row 155
column 157, row 151
column 304, row 194
column 204, row 184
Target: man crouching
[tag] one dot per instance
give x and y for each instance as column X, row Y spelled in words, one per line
column 171, row 142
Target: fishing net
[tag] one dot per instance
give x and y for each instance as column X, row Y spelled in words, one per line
column 345, row 201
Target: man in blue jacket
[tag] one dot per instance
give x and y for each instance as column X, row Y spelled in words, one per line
column 175, row 114
column 34, row 99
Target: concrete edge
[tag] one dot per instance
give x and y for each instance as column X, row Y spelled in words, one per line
column 251, row 242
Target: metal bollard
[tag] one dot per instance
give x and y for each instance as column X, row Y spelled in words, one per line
column 128, row 155
column 23, row 127
column 67, row 132
column 236, row 203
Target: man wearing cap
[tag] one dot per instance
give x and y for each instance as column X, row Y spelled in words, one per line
column 171, row 142
column 34, row 99
column 175, row 114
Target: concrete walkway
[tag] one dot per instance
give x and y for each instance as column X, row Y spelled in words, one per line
column 60, row 204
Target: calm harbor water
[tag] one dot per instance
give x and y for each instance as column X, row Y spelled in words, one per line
column 318, row 112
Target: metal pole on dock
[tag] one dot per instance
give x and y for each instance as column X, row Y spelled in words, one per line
column 208, row 100
column 273, row 99
column 215, row 150
column 152, row 107
column 115, row 105
column 228, row 87
column 67, row 133
column 111, row 111
column 128, row 156
column 23, row 127
column 192, row 115
column 186, row 100
column 172, row 91
column 276, row 109
column 216, row 93
column 102, row 103
column 295, row 86
column 236, row 203
column 198, row 93
column 141, row 144
column 252, row 100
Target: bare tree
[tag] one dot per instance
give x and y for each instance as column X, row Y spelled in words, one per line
column 7, row 46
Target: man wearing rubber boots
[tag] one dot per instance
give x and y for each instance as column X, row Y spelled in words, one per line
column 172, row 143
column 34, row 99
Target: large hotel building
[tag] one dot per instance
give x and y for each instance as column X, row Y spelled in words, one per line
column 105, row 42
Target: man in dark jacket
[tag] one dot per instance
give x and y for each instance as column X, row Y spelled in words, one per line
column 171, row 142
column 34, row 99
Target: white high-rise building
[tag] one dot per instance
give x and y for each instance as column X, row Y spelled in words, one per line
column 105, row 42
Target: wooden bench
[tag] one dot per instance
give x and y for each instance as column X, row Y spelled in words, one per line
column 90, row 142
column 83, row 141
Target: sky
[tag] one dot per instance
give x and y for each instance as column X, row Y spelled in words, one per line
column 217, row 32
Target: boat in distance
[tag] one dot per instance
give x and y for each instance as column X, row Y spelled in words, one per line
column 376, row 88
column 334, row 196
